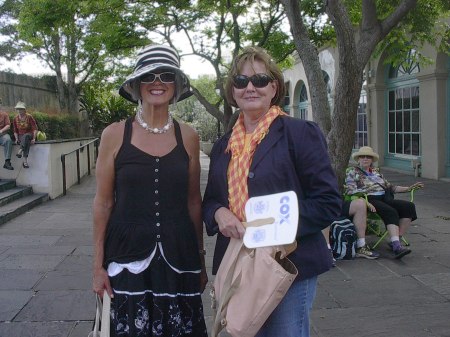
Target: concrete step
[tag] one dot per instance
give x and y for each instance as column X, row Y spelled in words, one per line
column 16, row 200
column 6, row 184
column 14, row 193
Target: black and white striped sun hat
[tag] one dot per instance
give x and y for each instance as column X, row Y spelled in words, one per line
column 151, row 58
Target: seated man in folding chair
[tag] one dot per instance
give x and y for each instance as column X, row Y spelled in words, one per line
column 366, row 180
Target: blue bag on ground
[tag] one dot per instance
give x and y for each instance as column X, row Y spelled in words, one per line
column 343, row 239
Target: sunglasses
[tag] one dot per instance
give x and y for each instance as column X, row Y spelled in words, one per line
column 166, row 77
column 365, row 157
column 258, row 81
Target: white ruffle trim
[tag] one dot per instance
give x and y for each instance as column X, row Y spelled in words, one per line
column 137, row 267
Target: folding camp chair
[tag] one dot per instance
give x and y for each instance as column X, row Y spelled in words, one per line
column 375, row 224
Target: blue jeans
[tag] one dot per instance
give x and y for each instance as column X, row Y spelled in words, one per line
column 291, row 317
column 6, row 142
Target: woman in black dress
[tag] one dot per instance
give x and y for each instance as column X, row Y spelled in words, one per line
column 148, row 233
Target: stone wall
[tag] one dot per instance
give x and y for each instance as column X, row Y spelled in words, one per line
column 39, row 94
column 45, row 172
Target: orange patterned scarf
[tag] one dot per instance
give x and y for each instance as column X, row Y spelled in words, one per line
column 241, row 158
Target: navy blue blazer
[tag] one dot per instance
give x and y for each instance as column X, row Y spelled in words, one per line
column 292, row 156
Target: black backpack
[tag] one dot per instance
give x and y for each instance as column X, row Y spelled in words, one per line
column 343, row 239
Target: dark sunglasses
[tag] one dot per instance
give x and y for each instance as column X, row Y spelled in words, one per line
column 166, row 77
column 365, row 157
column 258, row 81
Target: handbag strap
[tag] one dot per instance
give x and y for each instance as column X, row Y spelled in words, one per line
column 102, row 314
column 368, row 177
column 104, row 332
column 230, row 288
column 98, row 314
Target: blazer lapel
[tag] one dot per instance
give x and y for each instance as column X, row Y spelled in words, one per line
column 272, row 137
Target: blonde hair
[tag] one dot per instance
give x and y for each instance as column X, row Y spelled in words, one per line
column 252, row 54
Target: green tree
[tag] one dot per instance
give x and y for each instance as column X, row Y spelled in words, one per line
column 102, row 106
column 195, row 113
column 361, row 29
column 214, row 29
column 77, row 39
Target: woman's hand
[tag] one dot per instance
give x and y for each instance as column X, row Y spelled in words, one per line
column 229, row 224
column 371, row 207
column 416, row 186
column 101, row 282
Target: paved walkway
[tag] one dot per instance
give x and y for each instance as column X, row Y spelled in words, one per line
column 46, row 257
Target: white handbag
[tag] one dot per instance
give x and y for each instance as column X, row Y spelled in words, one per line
column 102, row 320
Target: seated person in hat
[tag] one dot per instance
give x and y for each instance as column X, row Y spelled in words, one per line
column 25, row 130
column 365, row 180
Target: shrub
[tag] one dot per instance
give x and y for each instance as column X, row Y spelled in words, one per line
column 61, row 126
column 103, row 107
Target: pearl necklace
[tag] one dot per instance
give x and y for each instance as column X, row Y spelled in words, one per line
column 142, row 123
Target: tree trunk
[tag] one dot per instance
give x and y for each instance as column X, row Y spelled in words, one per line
column 310, row 58
column 61, row 90
column 347, row 90
column 353, row 57
column 227, row 116
column 59, row 78
column 71, row 76
column 343, row 125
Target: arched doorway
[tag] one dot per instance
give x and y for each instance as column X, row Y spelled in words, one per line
column 403, row 114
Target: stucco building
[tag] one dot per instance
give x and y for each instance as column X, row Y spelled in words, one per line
column 404, row 112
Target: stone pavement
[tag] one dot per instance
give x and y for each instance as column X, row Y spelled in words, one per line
column 46, row 258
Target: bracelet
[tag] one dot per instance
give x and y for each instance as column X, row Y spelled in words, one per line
column 202, row 252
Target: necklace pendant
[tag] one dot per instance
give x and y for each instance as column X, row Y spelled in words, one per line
column 144, row 125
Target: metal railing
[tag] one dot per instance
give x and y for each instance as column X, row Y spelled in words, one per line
column 77, row 151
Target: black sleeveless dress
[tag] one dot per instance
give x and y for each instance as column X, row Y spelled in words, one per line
column 151, row 249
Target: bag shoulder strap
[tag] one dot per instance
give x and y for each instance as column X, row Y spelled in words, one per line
column 102, row 316
column 228, row 289
column 106, row 315
column 383, row 187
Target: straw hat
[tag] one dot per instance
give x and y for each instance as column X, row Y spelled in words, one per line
column 152, row 58
column 21, row 105
column 365, row 151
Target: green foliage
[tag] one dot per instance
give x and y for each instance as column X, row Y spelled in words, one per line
column 193, row 113
column 206, row 85
column 61, row 126
column 421, row 26
column 77, row 39
column 103, row 106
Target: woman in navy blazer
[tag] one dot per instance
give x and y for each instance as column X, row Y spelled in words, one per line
column 292, row 155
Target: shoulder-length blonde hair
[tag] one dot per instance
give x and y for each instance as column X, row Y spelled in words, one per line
column 252, row 54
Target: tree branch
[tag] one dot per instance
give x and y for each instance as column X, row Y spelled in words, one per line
column 373, row 31
column 212, row 109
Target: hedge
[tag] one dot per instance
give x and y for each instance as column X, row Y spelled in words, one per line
column 61, row 126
